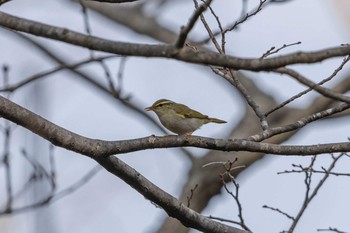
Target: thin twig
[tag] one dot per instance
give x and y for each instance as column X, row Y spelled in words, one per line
column 268, row 133
column 313, row 86
column 79, row 183
column 39, row 170
column 109, row 78
column 246, row 17
column 332, row 229
column 86, row 23
column 189, row 198
column 204, row 22
column 185, row 30
column 120, row 76
column 228, row 168
column 233, row 26
column 52, row 166
column 278, row 211
column 273, row 50
column 230, row 76
column 223, row 35
column 6, row 153
column 335, row 72
column 52, row 197
column 309, row 195
column 87, row 78
column 11, row 88
column 323, row 171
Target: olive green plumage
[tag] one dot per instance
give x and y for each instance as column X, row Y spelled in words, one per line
column 179, row 118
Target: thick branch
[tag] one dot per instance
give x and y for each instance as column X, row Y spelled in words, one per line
column 98, row 148
column 171, row 205
column 166, row 51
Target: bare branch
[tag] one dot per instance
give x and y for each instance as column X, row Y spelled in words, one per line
column 278, row 211
column 120, row 75
column 171, row 205
column 87, row 78
column 332, row 229
column 5, row 157
column 51, row 196
column 39, row 170
column 98, row 148
column 231, row 77
column 166, row 51
column 315, row 171
column 299, row 123
column 76, row 185
column 189, row 198
column 273, row 50
column 211, row 35
column 243, row 18
column 13, row 87
column 317, row 86
column 309, row 195
column 235, row 195
column 8, row 168
column 311, row 85
column 185, row 30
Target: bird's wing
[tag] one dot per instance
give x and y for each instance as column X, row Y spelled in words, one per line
column 190, row 113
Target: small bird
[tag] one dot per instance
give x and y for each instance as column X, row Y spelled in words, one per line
column 179, row 118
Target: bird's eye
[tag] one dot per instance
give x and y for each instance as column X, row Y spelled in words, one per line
column 162, row 103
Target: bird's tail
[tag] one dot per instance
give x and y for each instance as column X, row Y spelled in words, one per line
column 215, row 120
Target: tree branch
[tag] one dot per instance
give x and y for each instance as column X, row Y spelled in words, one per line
column 171, row 205
column 166, row 51
column 317, row 86
column 270, row 132
column 24, row 82
column 95, row 148
column 185, row 30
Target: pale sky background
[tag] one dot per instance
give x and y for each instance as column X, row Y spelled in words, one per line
column 107, row 204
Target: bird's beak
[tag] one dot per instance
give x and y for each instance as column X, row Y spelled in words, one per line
column 149, row 109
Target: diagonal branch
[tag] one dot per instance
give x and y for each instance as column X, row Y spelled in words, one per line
column 317, row 86
column 270, row 132
column 310, row 194
column 166, row 51
column 95, row 148
column 171, row 205
column 231, row 77
column 13, row 87
column 87, row 78
column 185, row 30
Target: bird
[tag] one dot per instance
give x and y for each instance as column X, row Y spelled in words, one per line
column 178, row 118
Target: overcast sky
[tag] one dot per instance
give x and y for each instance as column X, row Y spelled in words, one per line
column 107, row 203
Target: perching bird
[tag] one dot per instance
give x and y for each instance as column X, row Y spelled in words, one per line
column 179, row 118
